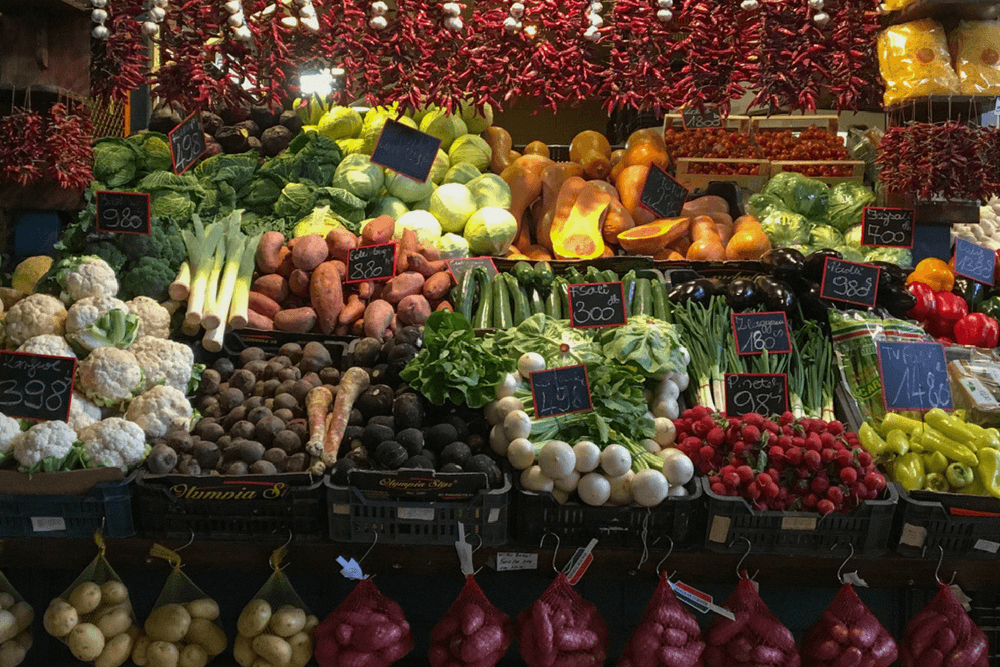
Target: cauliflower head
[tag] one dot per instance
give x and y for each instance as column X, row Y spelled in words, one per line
column 9, row 429
column 48, row 344
column 82, row 413
column 91, row 277
column 114, row 443
column 154, row 319
column 33, row 316
column 88, row 310
column 101, row 321
column 109, row 376
column 157, row 408
column 164, row 362
column 47, row 440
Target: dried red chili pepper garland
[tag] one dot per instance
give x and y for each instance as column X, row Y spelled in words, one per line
column 502, row 49
column 354, row 46
column 22, row 139
column 68, row 139
column 791, row 55
column 118, row 64
column 854, row 80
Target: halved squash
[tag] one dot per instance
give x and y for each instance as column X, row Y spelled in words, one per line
column 651, row 238
column 578, row 235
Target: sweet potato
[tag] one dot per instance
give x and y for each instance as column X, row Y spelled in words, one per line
column 352, row 311
column 378, row 316
column 272, row 286
column 264, row 305
column 436, row 286
column 341, row 269
column 366, row 290
column 339, row 242
column 379, row 230
column 327, row 295
column 267, row 251
column 414, row 309
column 408, row 243
column 445, row 306
column 342, row 330
column 298, row 282
column 419, row 263
column 257, row 321
column 295, row 320
column 309, row 252
column 358, row 328
column 430, row 253
column 285, row 266
column 402, row 286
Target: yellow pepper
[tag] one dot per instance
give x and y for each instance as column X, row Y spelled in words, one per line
column 934, row 273
column 935, row 441
column 935, row 461
column 988, row 470
column 893, row 421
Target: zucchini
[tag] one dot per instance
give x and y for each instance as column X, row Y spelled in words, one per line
column 642, row 304
column 502, row 317
column 464, row 300
column 524, row 273
column 594, row 275
column 628, row 282
column 553, row 306
column 484, row 314
column 536, row 303
column 659, row 299
column 543, row 275
column 609, row 276
column 573, row 276
column 562, row 286
column 519, row 297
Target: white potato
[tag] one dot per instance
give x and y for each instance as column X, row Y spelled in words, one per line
column 116, row 651
column 86, row 597
column 193, row 656
column 243, row 651
column 208, row 635
column 113, row 592
column 254, row 618
column 60, row 618
column 203, row 608
column 86, row 642
column 168, row 623
column 23, row 614
column 114, row 621
column 287, row 621
column 162, row 654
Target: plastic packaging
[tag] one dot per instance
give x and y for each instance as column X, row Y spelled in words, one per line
column 473, row 631
column 668, row 635
column 975, row 54
column 915, row 62
column 975, row 383
column 562, row 628
column 16, row 617
column 366, row 629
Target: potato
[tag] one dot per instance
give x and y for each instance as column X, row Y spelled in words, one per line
column 140, row 647
column 168, row 623
column 6, row 600
column 60, row 618
column 203, row 608
column 114, row 621
column 302, row 649
column 274, row 650
column 208, row 635
column 113, row 592
column 193, row 656
column 134, row 632
column 25, row 639
column 254, row 618
column 8, row 626
column 86, row 641
column 23, row 614
column 86, row 597
column 116, row 651
column 162, row 654
column 287, row 621
column 311, row 622
column 243, row 651
column 12, row 654
column 260, row 662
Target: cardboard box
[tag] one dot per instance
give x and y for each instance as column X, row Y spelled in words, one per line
column 72, row 483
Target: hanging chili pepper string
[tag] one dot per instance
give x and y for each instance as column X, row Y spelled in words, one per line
column 854, row 80
column 791, row 55
column 640, row 73
column 67, row 148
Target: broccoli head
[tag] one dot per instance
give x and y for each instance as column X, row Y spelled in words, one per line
column 150, row 276
column 107, row 251
column 163, row 242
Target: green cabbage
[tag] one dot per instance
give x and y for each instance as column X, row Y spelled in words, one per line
column 389, row 206
column 846, row 203
column 825, row 236
column 785, row 228
column 320, row 221
column 897, row 256
column 424, row 225
column 852, row 236
column 405, row 188
column 801, row 194
column 295, row 201
column 422, row 205
column 490, row 190
column 452, row 205
column 490, row 231
column 461, row 173
column 440, row 167
column 851, row 254
column 472, row 150
column 476, row 122
column 375, row 120
column 359, row 176
column 452, row 246
column 760, row 204
column 115, row 162
column 446, row 127
column 352, row 145
column 340, row 123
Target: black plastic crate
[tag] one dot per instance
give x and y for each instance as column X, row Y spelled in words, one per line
column 964, row 526
column 680, row 518
column 732, row 522
column 355, row 518
column 170, row 510
column 986, row 614
column 107, row 504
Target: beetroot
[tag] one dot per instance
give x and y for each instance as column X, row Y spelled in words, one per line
column 668, row 635
column 473, row 632
column 943, row 634
column 848, row 630
column 561, row 629
column 755, row 636
column 367, row 629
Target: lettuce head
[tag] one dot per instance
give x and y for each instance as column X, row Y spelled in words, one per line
column 440, row 168
column 785, row 228
column 452, row 246
column 847, row 200
column 476, row 122
column 490, row 231
column 389, row 206
column 340, row 123
column 461, row 173
column 490, row 190
column 405, row 188
column 443, row 125
column 800, row 194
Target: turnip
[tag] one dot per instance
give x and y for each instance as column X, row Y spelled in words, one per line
column 529, row 363
column 521, row 453
column 510, row 383
column 517, row 424
column 534, row 480
column 499, row 440
column 562, row 497
column 621, row 489
column 666, row 408
column 651, row 446
column 666, row 433
column 668, row 390
column 650, row 488
column 594, row 489
column 588, row 456
column 508, row 404
column 556, row 459
column 683, row 380
column 677, row 491
column 615, row 460
column 677, row 467
column 492, row 412
column 568, row 483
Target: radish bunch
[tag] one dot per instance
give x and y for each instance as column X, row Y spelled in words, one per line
column 561, row 629
column 848, row 634
column 943, row 634
column 780, row 464
column 668, row 635
column 473, row 633
column 367, row 629
column 756, row 636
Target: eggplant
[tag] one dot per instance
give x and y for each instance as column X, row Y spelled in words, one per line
column 742, row 294
column 895, row 299
column 777, row 295
column 784, row 263
column 812, row 269
column 681, row 276
column 813, row 307
column 893, row 274
column 699, row 291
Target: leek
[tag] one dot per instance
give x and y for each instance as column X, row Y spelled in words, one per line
column 201, row 245
column 181, row 287
column 217, row 310
column 239, row 306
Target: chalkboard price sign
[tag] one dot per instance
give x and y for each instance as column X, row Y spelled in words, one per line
column 187, row 143
column 662, row 194
column 692, row 119
column 560, row 391
column 887, row 227
column 406, row 151
column 974, row 261
column 597, row 305
column 371, row 262
column 849, row 282
column 757, row 332
column 123, row 212
column 459, row 267
column 36, row 387
column 763, row 393
column 914, row 376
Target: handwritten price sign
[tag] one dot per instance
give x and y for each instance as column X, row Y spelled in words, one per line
column 36, row 387
column 914, row 376
column 757, row 332
column 560, row 391
column 662, row 194
column 372, row 262
column 123, row 212
column 187, row 143
column 597, row 305
column 887, row 227
column 974, row 261
column 849, row 282
column 763, row 393
column 406, row 151
column 692, row 119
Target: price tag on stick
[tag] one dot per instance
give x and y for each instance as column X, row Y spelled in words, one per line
column 560, row 391
column 406, row 151
column 887, row 227
column 914, row 376
column 692, row 119
column 36, row 387
column 597, row 305
column 763, row 393
column 849, row 282
column 757, row 332
column 459, row 267
column 187, row 143
column 371, row 262
column 662, row 194
column 975, row 262
column 123, row 212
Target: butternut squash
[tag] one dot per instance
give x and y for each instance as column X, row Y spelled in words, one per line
column 703, row 205
column 749, row 242
column 544, row 209
column 651, row 238
column 578, row 235
column 706, row 244
column 568, row 193
column 499, row 140
column 525, row 186
column 618, row 221
column 681, row 245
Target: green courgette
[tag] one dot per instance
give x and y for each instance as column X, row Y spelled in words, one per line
column 524, row 273
column 544, row 276
column 465, row 300
column 502, row 316
column 484, row 314
column 573, row 276
column 593, row 275
column 536, row 302
column 553, row 305
column 642, row 304
column 659, row 299
column 519, row 297
column 628, row 282
column 609, row 276
column 562, row 286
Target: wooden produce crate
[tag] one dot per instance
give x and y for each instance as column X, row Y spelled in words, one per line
column 795, row 123
column 735, row 123
column 801, row 166
column 687, row 177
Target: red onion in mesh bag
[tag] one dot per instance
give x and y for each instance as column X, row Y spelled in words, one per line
column 367, row 629
column 943, row 635
column 848, row 634
column 561, row 629
column 473, row 632
column 668, row 635
column 756, row 636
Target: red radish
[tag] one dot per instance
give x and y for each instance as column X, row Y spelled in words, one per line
column 560, row 618
column 943, row 623
column 756, row 635
column 367, row 629
column 473, row 632
column 668, row 635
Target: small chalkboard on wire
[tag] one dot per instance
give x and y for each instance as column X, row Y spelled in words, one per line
column 406, row 151
column 36, row 387
column 123, row 212
column 597, row 305
column 372, row 262
column 560, row 391
column 187, row 143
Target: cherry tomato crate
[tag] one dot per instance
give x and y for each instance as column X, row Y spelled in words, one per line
column 682, row 519
column 962, row 525
column 732, row 522
column 106, row 504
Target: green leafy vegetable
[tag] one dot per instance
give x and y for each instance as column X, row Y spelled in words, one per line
column 651, row 345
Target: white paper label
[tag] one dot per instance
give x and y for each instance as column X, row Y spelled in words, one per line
column 913, row 536
column 987, row 545
column 508, row 561
column 962, row 598
column 854, row 579
column 798, row 523
column 416, row 513
column 464, row 550
column 47, row 524
column 993, row 373
column 719, row 532
column 494, row 515
column 978, row 391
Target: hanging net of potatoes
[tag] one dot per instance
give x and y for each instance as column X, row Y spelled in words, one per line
column 16, row 617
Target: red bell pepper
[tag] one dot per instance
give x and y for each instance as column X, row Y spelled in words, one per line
column 925, row 301
column 978, row 329
column 949, row 307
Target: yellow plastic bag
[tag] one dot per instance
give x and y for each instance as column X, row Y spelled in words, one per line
column 276, row 626
column 94, row 616
column 183, row 627
column 975, row 53
column 915, row 62
column 16, row 617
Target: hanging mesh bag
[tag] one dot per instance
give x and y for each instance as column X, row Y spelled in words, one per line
column 668, row 635
column 561, row 629
column 755, row 635
column 473, row 632
column 367, row 629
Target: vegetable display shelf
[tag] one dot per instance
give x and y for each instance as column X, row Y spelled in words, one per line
column 732, row 523
column 857, row 169
column 689, row 176
column 106, row 504
column 962, row 526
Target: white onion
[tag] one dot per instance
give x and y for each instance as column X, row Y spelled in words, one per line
column 615, row 460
